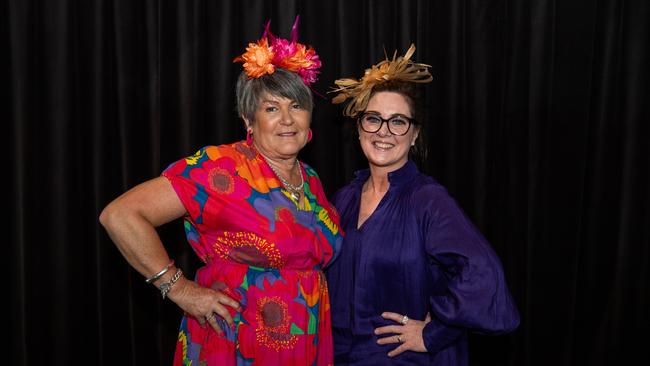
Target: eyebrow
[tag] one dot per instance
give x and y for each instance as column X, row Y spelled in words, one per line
column 277, row 102
column 391, row 116
column 270, row 101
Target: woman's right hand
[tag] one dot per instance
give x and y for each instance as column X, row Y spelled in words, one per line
column 203, row 303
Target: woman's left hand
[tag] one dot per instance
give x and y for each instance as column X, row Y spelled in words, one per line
column 408, row 334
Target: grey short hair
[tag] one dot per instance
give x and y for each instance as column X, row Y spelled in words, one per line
column 281, row 83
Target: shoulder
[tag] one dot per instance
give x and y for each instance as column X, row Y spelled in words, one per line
column 230, row 154
column 430, row 198
column 238, row 151
column 311, row 172
column 426, row 187
column 343, row 198
column 345, row 191
column 353, row 187
column 312, row 178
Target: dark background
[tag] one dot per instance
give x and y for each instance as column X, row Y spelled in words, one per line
column 537, row 124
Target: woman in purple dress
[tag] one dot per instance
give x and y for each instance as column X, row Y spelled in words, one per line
column 414, row 275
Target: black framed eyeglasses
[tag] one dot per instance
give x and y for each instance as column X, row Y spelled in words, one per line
column 398, row 124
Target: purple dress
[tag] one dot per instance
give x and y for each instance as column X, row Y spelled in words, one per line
column 416, row 253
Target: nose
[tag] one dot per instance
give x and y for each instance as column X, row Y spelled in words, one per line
column 383, row 130
column 286, row 118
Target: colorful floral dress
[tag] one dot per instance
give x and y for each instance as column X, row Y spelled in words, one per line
column 261, row 250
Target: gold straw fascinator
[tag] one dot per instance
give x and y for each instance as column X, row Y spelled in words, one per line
column 399, row 68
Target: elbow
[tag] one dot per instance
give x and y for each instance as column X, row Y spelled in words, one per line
column 109, row 215
column 506, row 322
column 513, row 322
column 508, row 326
column 103, row 217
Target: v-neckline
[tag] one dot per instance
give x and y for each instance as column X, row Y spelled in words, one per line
column 372, row 214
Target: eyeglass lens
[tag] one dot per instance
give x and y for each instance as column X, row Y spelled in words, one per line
column 397, row 125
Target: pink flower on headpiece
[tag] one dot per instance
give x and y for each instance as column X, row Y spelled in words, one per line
column 310, row 73
column 282, row 49
column 261, row 59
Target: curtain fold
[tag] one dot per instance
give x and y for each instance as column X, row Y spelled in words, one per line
column 537, row 123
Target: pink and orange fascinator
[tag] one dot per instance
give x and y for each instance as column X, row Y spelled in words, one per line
column 270, row 52
column 398, row 69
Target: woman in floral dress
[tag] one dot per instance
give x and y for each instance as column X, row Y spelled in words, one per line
column 255, row 215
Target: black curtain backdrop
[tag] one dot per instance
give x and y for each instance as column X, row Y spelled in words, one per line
column 537, row 124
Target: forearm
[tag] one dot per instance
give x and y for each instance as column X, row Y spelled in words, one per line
column 437, row 336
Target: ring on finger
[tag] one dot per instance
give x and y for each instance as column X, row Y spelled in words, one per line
column 209, row 317
column 405, row 319
column 399, row 338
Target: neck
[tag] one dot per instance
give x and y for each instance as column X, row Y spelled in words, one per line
column 285, row 170
column 377, row 181
column 285, row 164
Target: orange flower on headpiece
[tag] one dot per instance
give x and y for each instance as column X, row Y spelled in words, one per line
column 257, row 59
column 269, row 52
column 399, row 68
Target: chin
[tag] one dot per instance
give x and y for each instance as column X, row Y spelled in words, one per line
column 380, row 158
column 385, row 162
column 382, row 162
column 290, row 148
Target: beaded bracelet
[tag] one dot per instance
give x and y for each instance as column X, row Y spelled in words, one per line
column 165, row 287
column 155, row 277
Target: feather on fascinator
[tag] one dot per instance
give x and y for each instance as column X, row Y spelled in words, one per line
column 399, row 68
column 270, row 51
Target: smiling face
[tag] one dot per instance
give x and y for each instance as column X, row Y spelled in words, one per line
column 383, row 149
column 280, row 128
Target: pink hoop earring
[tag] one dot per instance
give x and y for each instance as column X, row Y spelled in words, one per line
column 249, row 137
column 310, row 135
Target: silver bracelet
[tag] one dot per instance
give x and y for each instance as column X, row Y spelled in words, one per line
column 165, row 287
column 155, row 277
